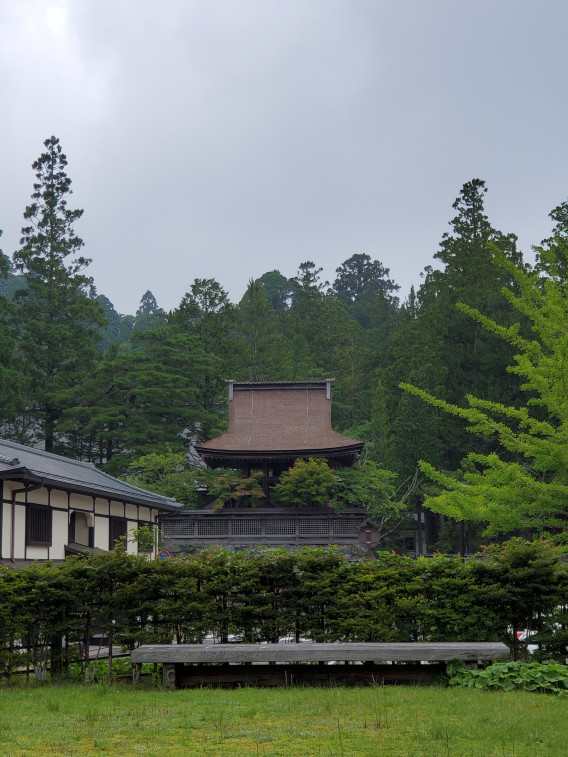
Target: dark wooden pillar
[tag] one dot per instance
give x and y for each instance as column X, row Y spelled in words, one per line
column 265, row 486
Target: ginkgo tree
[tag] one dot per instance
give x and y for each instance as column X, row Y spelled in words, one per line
column 523, row 483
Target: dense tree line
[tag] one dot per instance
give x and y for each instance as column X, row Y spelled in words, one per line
column 87, row 382
column 49, row 613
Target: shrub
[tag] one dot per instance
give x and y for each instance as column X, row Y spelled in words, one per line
column 511, row 676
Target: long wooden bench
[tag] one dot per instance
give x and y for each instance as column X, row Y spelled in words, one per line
column 284, row 664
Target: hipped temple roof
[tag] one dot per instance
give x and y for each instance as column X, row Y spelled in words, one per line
column 280, row 417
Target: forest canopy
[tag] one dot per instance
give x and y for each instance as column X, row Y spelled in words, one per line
column 481, row 339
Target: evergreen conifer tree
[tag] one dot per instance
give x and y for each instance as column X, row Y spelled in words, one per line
column 522, row 481
column 58, row 322
column 9, row 383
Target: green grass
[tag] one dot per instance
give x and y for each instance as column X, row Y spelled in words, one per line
column 52, row 719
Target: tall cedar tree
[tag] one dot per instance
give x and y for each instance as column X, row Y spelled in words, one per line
column 277, row 289
column 325, row 341
column 524, row 485
column 264, row 356
column 149, row 315
column 57, row 319
column 359, row 282
column 206, row 314
column 468, row 359
column 363, row 288
column 9, row 380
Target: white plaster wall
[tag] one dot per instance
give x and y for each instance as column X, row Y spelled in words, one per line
column 38, row 553
column 131, row 545
column 101, row 506
column 20, row 532
column 38, row 497
column 59, row 535
column 6, row 524
column 132, row 512
column 117, row 508
column 81, row 529
column 101, row 533
column 81, row 502
column 58, row 499
column 145, row 513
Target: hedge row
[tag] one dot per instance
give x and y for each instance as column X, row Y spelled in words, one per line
column 50, row 614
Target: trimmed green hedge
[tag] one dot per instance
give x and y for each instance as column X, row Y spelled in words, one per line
column 48, row 613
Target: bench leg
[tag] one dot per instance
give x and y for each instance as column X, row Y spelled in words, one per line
column 136, row 670
column 169, row 677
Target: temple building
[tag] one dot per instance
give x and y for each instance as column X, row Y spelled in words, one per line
column 272, row 424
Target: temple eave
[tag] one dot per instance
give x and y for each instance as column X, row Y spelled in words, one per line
column 288, row 454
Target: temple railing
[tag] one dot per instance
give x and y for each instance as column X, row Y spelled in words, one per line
column 283, row 526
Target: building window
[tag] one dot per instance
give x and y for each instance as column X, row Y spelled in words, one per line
column 38, row 525
column 117, row 531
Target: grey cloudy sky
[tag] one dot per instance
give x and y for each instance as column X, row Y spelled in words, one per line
column 225, row 138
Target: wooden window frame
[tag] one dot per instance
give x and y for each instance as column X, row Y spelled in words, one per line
column 39, row 529
column 115, row 519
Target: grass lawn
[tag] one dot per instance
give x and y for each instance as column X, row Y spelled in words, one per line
column 98, row 719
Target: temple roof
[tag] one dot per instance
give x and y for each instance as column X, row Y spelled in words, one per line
column 273, row 418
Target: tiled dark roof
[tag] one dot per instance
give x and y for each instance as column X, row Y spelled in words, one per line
column 18, row 462
column 280, row 417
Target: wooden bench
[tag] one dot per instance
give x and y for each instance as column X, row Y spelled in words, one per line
column 284, row 664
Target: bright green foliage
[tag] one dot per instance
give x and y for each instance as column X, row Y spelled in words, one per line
column 144, row 537
column 369, row 486
column 308, row 483
column 58, row 321
column 168, row 473
column 526, row 485
column 512, row 676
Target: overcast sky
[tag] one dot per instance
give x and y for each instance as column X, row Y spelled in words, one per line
column 226, row 138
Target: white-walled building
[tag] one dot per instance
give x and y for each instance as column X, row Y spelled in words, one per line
column 52, row 506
